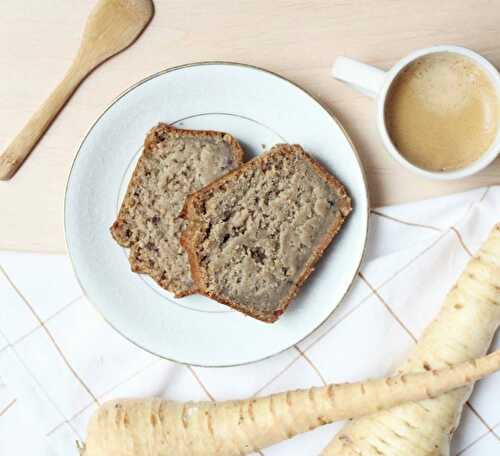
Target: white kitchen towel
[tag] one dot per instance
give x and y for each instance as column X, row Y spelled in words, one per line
column 59, row 359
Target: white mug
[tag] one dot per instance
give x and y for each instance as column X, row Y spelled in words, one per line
column 375, row 83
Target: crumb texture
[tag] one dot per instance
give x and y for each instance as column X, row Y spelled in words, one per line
column 174, row 164
column 257, row 232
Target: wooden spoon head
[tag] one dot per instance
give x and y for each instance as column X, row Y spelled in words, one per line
column 112, row 26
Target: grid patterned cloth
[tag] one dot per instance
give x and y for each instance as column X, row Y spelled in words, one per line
column 59, row 359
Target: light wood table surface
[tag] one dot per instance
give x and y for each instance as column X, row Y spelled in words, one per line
column 296, row 38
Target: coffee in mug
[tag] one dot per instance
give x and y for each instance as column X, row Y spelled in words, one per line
column 442, row 112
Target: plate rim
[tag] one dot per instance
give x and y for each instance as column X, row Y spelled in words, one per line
column 195, row 64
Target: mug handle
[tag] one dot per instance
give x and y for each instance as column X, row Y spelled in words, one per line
column 364, row 78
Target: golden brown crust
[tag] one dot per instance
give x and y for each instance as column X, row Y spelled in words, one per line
column 191, row 237
column 156, row 135
column 186, row 241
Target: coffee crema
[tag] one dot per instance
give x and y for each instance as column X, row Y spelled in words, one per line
column 442, row 112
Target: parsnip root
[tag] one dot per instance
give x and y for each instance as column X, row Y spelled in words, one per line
column 157, row 427
column 462, row 330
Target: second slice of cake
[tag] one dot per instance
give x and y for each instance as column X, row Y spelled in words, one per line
column 255, row 234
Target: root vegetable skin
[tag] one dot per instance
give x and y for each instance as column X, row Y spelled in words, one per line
column 157, row 427
column 463, row 330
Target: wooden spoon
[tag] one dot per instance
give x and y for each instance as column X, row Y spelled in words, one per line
column 112, row 26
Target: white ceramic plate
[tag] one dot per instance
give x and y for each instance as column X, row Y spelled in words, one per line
column 258, row 108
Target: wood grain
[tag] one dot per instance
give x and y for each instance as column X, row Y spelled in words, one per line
column 112, row 26
column 297, row 39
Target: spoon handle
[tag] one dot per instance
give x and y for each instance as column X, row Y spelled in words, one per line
column 27, row 138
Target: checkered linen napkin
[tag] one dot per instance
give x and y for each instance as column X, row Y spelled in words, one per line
column 59, row 359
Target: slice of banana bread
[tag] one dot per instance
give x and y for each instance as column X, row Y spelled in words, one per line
column 255, row 234
column 174, row 164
